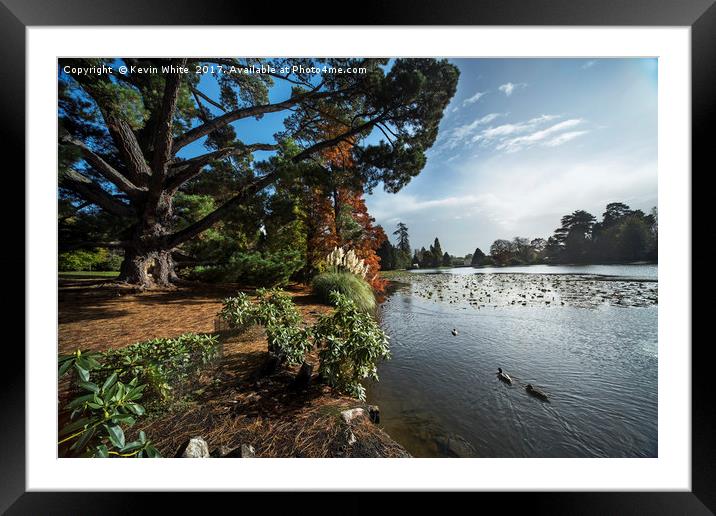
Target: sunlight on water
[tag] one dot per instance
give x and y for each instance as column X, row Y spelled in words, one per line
column 439, row 395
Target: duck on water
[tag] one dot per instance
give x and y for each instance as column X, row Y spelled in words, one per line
column 536, row 392
column 504, row 377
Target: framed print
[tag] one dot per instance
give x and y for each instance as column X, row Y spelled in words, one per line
column 429, row 240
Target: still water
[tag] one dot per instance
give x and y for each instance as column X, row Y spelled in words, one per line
column 440, row 397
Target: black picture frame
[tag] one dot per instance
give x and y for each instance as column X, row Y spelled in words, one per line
column 17, row 15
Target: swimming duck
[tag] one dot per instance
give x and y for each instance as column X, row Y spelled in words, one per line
column 536, row 392
column 504, row 377
column 454, row 331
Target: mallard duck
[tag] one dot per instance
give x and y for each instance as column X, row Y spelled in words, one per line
column 454, row 331
column 504, row 377
column 536, row 392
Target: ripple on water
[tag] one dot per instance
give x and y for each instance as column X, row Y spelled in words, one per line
column 439, row 395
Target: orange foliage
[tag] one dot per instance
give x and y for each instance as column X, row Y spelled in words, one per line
column 325, row 207
column 370, row 239
column 321, row 227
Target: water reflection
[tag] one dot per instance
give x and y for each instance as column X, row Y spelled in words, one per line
column 439, row 395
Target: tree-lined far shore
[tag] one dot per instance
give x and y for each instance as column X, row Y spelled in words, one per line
column 622, row 236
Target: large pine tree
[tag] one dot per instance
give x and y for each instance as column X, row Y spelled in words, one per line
column 120, row 137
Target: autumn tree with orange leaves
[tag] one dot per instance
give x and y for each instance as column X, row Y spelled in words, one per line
column 338, row 214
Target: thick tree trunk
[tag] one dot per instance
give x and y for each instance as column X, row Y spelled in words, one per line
column 148, row 261
column 148, row 268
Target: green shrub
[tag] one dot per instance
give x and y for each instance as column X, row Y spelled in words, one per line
column 162, row 364
column 275, row 307
column 113, row 262
column 238, row 312
column 286, row 337
column 277, row 313
column 354, row 288
column 252, row 268
column 350, row 343
column 290, row 342
column 204, row 273
column 350, row 340
column 101, row 412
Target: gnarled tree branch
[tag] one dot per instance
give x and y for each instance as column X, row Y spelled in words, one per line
column 256, row 186
column 184, row 171
column 163, row 130
column 103, row 168
column 91, row 191
column 215, row 123
column 216, row 215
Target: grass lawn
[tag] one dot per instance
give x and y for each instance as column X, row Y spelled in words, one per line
column 88, row 274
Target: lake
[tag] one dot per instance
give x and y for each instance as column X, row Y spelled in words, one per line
column 585, row 335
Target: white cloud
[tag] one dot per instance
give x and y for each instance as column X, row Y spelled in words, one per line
column 589, row 64
column 511, row 137
column 389, row 207
column 520, row 142
column 453, row 137
column 509, row 87
column 477, row 96
column 502, row 130
column 499, row 134
column 564, row 138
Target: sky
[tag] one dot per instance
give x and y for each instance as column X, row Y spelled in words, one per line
column 526, row 141
column 522, row 143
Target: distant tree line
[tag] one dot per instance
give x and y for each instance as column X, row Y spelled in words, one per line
column 432, row 257
column 623, row 235
column 399, row 256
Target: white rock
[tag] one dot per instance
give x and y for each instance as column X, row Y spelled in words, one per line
column 247, row 451
column 197, row 448
column 348, row 416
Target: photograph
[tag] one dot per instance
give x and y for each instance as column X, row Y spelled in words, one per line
column 357, row 257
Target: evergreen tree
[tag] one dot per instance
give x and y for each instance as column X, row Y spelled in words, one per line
column 402, row 248
column 403, row 241
column 425, row 258
column 436, row 254
column 387, row 254
column 478, row 257
column 574, row 236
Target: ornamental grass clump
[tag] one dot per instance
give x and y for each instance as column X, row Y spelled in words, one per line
column 348, row 284
column 339, row 260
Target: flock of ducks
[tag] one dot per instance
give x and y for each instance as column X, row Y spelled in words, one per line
column 504, row 377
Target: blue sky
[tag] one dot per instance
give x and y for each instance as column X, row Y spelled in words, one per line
column 523, row 142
